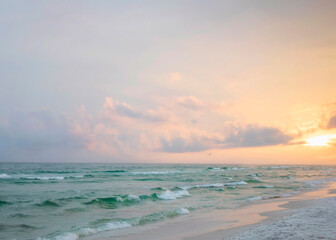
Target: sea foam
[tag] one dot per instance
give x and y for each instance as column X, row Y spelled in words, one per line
column 33, row 177
column 257, row 198
column 63, row 236
column 131, row 197
column 211, row 185
column 114, row 225
column 154, row 173
column 4, row 176
column 183, row 211
column 170, row 195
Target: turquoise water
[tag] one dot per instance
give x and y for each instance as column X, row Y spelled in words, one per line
column 74, row 201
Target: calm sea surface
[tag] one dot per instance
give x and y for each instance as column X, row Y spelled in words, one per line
column 74, row 201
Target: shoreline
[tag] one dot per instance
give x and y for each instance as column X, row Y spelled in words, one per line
column 305, row 201
column 228, row 223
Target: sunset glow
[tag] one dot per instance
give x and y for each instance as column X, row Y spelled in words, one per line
column 122, row 117
column 168, row 82
column 320, row 140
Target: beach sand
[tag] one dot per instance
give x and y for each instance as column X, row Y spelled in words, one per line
column 311, row 222
column 309, row 215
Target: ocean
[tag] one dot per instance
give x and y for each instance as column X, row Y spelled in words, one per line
column 79, row 201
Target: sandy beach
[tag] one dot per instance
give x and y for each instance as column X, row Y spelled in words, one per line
column 308, row 215
column 316, row 221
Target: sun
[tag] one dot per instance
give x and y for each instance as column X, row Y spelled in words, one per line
column 323, row 140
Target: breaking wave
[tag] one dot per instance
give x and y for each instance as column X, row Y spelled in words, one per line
column 42, row 178
column 211, row 185
column 48, row 203
column 120, row 224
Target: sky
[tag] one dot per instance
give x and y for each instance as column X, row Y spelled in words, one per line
column 233, row 81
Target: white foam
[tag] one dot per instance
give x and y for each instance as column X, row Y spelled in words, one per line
column 77, row 176
column 63, row 236
column 4, row 176
column 42, row 178
column 86, row 231
column 275, row 167
column 169, row 195
column 30, row 177
column 236, row 168
column 132, row 197
column 235, row 183
column 183, row 211
column 256, row 179
column 253, row 178
column 257, row 198
column 119, row 199
column 154, row 173
column 113, row 226
column 314, row 183
column 211, row 185
column 286, row 195
column 217, row 169
column 67, row 236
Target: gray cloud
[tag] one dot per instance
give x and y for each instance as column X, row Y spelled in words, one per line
column 190, row 103
column 256, row 136
column 250, row 136
column 181, row 145
column 124, row 109
column 332, row 122
column 43, row 136
column 127, row 110
column 38, row 135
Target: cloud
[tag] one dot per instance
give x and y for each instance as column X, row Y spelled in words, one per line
column 256, row 136
column 181, row 145
column 175, row 77
column 237, row 137
column 190, row 102
column 123, row 132
column 189, row 140
column 42, row 129
column 332, row 122
column 38, row 134
column 126, row 110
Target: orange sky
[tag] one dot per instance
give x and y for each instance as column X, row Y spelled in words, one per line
column 249, row 82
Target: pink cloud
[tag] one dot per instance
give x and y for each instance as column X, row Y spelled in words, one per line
column 122, row 131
